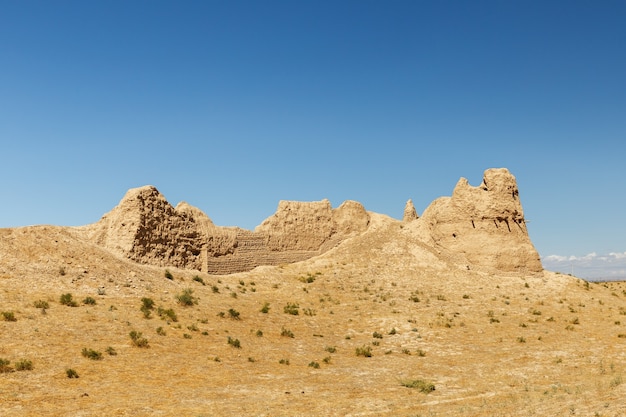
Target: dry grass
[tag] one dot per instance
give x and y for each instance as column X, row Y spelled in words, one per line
column 572, row 361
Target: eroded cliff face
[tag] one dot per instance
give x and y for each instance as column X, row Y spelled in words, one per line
column 146, row 228
column 477, row 227
column 484, row 226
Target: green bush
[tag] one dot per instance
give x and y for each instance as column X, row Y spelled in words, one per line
column 67, row 300
column 167, row 314
column 71, row 373
column 292, row 308
column 421, row 385
column 365, row 351
column 266, row 308
column 8, row 316
column 138, row 340
column 24, row 365
column 91, row 354
column 111, row 351
column 377, row 335
column 186, row 298
column 5, row 366
column 314, row 364
column 41, row 304
column 89, row 301
column 234, row 342
column 198, row 279
column 234, row 314
column 160, row 331
column 286, row 333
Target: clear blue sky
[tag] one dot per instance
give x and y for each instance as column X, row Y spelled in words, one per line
column 235, row 105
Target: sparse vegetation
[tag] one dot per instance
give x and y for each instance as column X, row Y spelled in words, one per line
column 169, row 275
column 286, row 333
column 160, row 331
column 89, row 301
column 266, row 308
column 186, row 298
column 167, row 314
column 44, row 305
column 92, row 354
column 330, row 349
column 8, row 316
column 365, row 351
column 198, row 279
column 377, row 335
column 233, row 314
column 292, row 308
column 5, row 366
column 284, row 361
column 111, row 351
column 419, row 384
column 314, row 365
column 68, row 300
column 234, row 342
column 138, row 340
column 70, row 373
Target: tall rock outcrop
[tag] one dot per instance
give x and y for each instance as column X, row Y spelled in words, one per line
column 482, row 227
column 410, row 213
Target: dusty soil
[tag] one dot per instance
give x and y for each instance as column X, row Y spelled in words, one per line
column 492, row 345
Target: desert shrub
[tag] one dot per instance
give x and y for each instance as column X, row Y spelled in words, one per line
column 420, row 353
column 292, row 308
column 314, row 364
column 24, row 365
column 327, row 359
column 68, row 300
column 8, row 316
column 62, row 271
column 71, row 373
column 521, row 339
column 308, row 279
column 234, row 314
column 198, row 279
column 147, row 303
column 167, row 314
column 393, row 331
column 419, row 384
column 186, row 298
column 259, row 333
column 234, row 342
column 91, row 354
column 5, row 366
column 365, row 351
column 187, row 336
column 309, row 312
column 89, row 301
column 169, row 275
column 286, row 333
column 137, row 339
column 41, row 304
column 284, row 361
column 377, row 335
column 266, row 308
column 193, row 327
column 111, row 351
column 160, row 331
column 330, row 349
column 215, row 289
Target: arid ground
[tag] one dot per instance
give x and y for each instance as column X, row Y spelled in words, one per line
column 443, row 341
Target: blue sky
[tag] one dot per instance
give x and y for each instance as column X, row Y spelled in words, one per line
column 235, row 105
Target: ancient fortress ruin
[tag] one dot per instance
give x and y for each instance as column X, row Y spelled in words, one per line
column 477, row 227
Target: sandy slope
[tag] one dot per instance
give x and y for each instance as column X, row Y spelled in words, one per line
column 492, row 345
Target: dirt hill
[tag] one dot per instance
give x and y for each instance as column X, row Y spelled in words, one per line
column 444, row 314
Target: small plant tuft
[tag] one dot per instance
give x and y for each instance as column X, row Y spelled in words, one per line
column 286, row 333
column 314, row 365
column 169, row 275
column 234, row 342
column 5, row 366
column 8, row 316
column 292, row 308
column 111, row 351
column 41, row 304
column 89, row 301
column 234, row 314
column 138, row 340
column 91, row 354
column 186, row 298
column 199, row 279
column 419, row 384
column 266, row 308
column 71, row 373
column 365, row 351
column 24, row 365
column 67, row 300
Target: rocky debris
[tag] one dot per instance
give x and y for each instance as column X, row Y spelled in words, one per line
column 482, row 227
column 410, row 213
